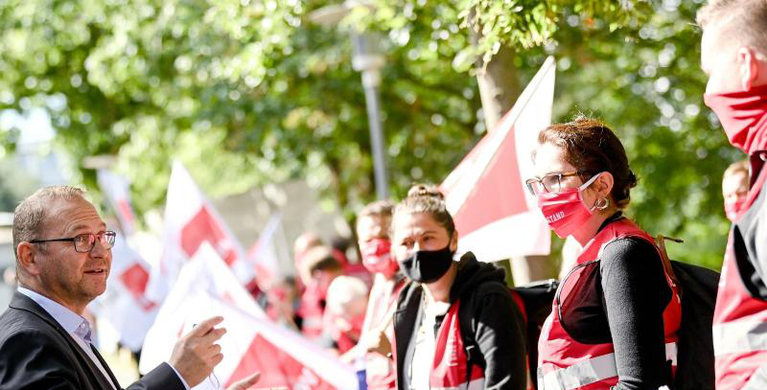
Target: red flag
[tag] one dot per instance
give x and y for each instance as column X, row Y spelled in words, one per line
column 190, row 220
column 495, row 216
column 205, row 288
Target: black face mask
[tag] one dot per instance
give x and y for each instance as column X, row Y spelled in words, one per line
column 427, row 266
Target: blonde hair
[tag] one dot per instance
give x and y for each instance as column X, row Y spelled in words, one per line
column 343, row 290
column 744, row 20
column 736, row 167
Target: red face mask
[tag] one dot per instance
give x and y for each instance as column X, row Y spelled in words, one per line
column 376, row 257
column 743, row 117
column 731, row 209
column 565, row 211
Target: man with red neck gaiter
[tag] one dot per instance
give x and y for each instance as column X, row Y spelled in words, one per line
column 374, row 347
column 734, row 56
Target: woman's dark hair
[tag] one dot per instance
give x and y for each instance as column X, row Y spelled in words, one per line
column 591, row 147
column 427, row 199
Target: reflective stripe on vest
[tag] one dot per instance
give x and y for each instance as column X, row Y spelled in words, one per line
column 476, row 384
column 588, row 371
column 740, row 337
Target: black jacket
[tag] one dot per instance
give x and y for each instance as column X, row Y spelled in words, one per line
column 37, row 353
column 498, row 344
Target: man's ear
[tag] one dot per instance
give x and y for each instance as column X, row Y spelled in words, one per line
column 749, row 68
column 26, row 258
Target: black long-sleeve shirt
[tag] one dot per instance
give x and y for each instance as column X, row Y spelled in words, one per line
column 635, row 295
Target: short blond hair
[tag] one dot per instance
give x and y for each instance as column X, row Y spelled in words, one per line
column 31, row 212
column 744, row 20
column 736, row 167
column 344, row 290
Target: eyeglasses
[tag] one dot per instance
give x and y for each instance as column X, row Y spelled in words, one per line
column 84, row 242
column 549, row 183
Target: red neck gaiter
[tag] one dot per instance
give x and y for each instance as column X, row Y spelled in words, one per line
column 743, row 116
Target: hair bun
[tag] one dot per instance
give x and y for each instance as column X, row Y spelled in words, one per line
column 425, row 190
column 632, row 179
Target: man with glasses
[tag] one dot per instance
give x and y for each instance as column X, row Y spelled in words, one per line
column 63, row 258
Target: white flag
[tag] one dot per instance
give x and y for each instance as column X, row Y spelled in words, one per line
column 125, row 305
column 206, row 288
column 269, row 253
column 190, row 220
column 116, row 189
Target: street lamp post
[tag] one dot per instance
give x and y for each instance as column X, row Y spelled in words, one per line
column 368, row 61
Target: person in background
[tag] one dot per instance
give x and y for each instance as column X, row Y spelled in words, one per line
column 456, row 324
column 318, row 269
column 347, row 301
column 735, row 188
column 282, row 302
column 617, row 310
column 734, row 56
column 373, row 228
column 307, row 240
column 340, row 245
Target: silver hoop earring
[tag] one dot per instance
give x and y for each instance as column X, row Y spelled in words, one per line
column 602, row 203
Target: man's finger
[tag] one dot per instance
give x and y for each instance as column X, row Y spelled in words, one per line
column 212, row 336
column 246, row 383
column 217, row 359
column 204, row 327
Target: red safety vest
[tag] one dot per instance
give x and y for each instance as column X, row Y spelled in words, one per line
column 565, row 364
column 740, row 320
column 450, row 360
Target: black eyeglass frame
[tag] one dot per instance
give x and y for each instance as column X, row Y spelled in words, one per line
column 529, row 183
column 111, row 237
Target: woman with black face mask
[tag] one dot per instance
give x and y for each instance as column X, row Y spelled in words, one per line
column 456, row 325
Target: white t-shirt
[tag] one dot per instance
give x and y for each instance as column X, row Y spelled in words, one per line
column 425, row 343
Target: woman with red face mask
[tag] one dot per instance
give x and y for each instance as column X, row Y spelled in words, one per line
column 616, row 313
column 456, row 325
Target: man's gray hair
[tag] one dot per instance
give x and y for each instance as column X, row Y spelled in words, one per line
column 31, row 212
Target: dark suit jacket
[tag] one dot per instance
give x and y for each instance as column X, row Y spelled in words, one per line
column 37, row 353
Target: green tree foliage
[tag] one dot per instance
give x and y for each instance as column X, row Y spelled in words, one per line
column 246, row 92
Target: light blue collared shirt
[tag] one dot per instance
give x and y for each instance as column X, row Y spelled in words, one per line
column 77, row 326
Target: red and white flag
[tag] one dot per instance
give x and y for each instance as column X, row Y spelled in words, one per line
column 269, row 252
column 125, row 305
column 190, row 220
column 116, row 189
column 206, row 288
column 495, row 216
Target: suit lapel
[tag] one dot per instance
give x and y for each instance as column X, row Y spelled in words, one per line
column 23, row 302
column 106, row 367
